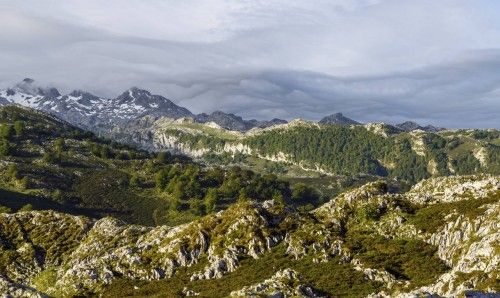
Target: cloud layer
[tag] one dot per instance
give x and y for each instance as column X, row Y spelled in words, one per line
column 431, row 61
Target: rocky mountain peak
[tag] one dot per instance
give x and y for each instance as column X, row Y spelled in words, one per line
column 233, row 122
column 134, row 94
column 28, row 86
column 338, row 118
column 411, row 126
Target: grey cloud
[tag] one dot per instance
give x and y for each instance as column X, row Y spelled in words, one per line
column 373, row 60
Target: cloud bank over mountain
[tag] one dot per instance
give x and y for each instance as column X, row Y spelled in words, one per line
column 430, row 61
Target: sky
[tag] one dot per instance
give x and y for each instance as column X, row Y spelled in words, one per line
column 434, row 62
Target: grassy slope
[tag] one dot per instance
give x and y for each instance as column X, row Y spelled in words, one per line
column 78, row 181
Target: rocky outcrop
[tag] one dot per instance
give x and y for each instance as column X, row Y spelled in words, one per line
column 285, row 283
column 453, row 188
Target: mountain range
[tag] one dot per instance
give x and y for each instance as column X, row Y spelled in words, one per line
column 97, row 113
column 408, row 214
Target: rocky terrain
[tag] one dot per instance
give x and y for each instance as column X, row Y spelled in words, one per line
column 440, row 238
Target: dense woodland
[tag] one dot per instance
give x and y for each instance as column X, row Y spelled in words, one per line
column 351, row 150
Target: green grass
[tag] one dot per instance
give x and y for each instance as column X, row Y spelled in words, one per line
column 432, row 217
column 412, row 260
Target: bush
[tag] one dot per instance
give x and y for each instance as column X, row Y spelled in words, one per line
column 27, row 207
column 12, row 172
column 134, row 180
column 25, row 182
column 5, row 147
column 50, row 157
column 4, row 209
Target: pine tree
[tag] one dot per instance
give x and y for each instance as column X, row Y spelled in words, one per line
column 211, row 200
column 19, row 127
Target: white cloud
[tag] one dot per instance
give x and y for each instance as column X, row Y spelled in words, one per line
column 379, row 60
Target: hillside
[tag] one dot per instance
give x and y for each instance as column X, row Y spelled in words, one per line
column 371, row 149
column 439, row 238
column 49, row 164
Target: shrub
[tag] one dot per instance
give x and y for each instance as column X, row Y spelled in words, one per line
column 4, row 209
column 27, row 207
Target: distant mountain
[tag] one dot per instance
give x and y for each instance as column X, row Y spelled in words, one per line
column 233, row 122
column 96, row 113
column 136, row 103
column 411, row 126
column 339, row 119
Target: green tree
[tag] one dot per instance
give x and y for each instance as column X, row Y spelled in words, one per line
column 175, row 204
column 25, row 182
column 12, row 171
column 304, row 194
column 19, row 127
column 243, row 195
column 58, row 196
column 4, row 209
column 49, row 157
column 161, row 179
column 279, row 200
column 211, row 200
column 134, row 180
column 105, row 152
column 163, row 157
column 5, row 147
column 59, row 146
column 197, row 206
column 6, row 131
column 27, row 207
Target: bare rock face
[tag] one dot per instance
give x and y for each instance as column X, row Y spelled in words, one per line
column 285, row 283
column 9, row 289
column 453, row 188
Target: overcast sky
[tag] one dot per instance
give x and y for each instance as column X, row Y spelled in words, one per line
column 432, row 61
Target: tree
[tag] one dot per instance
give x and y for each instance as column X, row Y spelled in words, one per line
column 243, row 195
column 161, row 179
column 58, row 196
column 49, row 157
column 6, row 131
column 105, row 152
column 25, row 182
column 163, row 157
column 5, row 147
column 197, row 206
column 19, row 127
column 304, row 194
column 279, row 200
column 175, row 204
column 59, row 146
column 134, row 180
column 27, row 207
column 4, row 209
column 12, row 171
column 211, row 200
